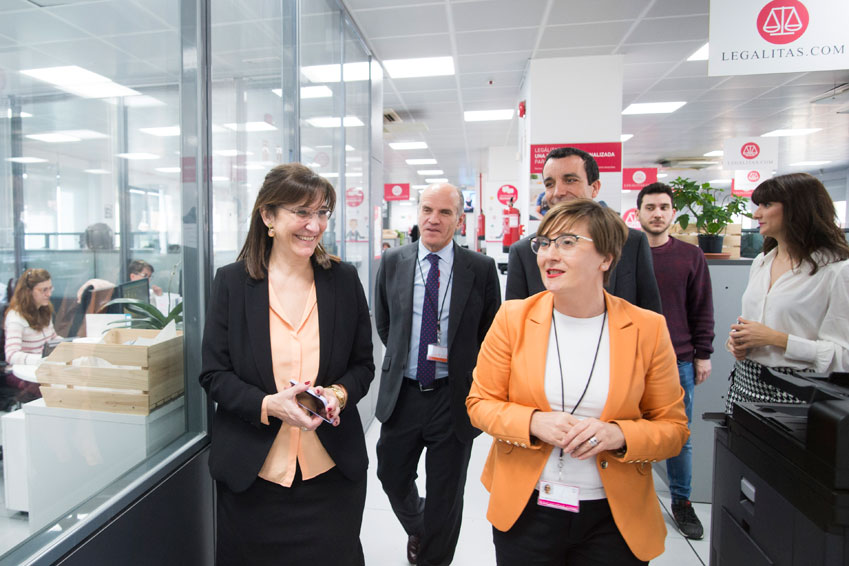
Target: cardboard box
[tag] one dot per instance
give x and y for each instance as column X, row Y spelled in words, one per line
column 158, row 379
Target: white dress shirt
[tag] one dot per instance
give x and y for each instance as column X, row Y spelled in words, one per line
column 812, row 309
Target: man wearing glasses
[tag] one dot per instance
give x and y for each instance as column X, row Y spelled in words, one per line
column 570, row 173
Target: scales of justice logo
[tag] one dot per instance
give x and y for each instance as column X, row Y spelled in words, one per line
column 750, row 150
column 782, row 21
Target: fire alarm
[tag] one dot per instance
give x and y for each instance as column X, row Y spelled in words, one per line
column 522, row 109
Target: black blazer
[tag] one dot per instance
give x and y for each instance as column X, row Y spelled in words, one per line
column 237, row 372
column 632, row 278
column 475, row 298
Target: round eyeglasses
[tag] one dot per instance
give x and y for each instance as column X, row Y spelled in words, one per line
column 562, row 242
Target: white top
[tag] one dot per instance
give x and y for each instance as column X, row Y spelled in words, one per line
column 577, row 338
column 23, row 344
column 812, row 309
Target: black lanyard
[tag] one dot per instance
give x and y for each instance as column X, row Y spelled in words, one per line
column 445, row 296
column 560, row 367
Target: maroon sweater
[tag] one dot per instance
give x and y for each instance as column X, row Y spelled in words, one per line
column 685, row 293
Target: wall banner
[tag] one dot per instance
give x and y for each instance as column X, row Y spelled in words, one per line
column 778, row 36
column 607, row 155
column 746, row 181
column 636, row 179
column 750, row 153
column 396, row 191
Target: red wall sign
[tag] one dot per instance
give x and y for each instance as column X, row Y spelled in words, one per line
column 354, row 196
column 636, row 179
column 607, row 155
column 396, row 191
column 507, row 192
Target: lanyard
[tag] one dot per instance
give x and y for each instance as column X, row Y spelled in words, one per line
column 445, row 296
column 589, row 377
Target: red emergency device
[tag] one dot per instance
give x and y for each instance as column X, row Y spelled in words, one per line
column 512, row 228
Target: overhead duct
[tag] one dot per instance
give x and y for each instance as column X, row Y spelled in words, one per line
column 686, row 162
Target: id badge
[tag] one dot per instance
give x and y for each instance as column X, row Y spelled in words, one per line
column 437, row 353
column 559, row 496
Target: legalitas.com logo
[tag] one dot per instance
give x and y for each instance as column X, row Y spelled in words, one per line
column 753, row 176
column 750, row 150
column 782, row 21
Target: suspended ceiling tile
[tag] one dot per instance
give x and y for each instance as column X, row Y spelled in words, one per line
column 585, row 51
column 584, row 35
column 666, row 8
column 13, row 5
column 518, row 39
column 671, row 29
column 109, row 18
column 652, row 71
column 403, row 21
column 356, row 5
column 595, row 11
column 433, row 45
column 37, row 26
column 505, row 79
column 671, row 52
column 434, row 96
column 497, row 14
column 425, row 83
column 499, row 61
column 689, row 83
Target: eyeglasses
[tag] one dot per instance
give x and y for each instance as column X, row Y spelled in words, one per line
column 323, row 214
column 562, row 242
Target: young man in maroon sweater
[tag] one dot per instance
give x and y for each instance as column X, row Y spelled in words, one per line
column 685, row 295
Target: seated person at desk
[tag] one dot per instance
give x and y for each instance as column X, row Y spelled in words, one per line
column 138, row 269
column 29, row 323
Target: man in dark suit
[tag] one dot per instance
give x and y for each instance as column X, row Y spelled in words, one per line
column 434, row 302
column 571, row 173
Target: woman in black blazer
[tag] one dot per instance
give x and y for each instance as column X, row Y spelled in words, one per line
column 290, row 486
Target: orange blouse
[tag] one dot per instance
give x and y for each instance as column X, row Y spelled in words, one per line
column 294, row 355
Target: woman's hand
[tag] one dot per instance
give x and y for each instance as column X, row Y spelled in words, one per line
column 284, row 406
column 608, row 436
column 332, row 404
column 571, row 434
column 738, row 353
column 749, row 334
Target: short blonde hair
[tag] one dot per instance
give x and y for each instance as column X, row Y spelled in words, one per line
column 606, row 229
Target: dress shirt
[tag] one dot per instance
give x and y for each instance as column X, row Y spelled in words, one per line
column 446, row 263
column 812, row 309
column 294, row 355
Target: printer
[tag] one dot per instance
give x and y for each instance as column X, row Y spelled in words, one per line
column 781, row 477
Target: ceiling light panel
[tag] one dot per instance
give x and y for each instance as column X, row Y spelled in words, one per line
column 429, row 161
column 333, row 122
column 701, row 54
column 430, row 172
column 54, row 137
column 437, row 180
column 81, row 82
column 250, row 127
column 408, row 145
column 653, row 107
column 419, row 67
column 790, row 132
column 163, row 132
column 26, row 160
column 358, row 71
column 625, row 137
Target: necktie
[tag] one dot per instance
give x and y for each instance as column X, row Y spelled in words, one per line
column 426, row 370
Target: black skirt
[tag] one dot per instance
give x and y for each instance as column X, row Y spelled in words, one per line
column 313, row 522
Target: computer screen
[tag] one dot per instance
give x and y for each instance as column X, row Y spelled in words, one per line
column 138, row 289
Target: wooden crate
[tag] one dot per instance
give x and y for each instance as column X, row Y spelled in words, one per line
column 132, row 391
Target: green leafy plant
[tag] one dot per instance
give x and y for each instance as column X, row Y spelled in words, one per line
column 711, row 210
column 145, row 315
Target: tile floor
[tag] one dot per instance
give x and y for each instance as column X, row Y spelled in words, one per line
column 384, row 541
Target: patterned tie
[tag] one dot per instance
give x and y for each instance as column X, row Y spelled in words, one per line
column 426, row 370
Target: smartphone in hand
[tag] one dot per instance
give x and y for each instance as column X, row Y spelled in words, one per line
column 312, row 402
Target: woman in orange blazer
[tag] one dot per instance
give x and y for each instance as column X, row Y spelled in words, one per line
column 580, row 392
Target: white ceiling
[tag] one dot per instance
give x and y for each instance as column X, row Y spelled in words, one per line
column 491, row 42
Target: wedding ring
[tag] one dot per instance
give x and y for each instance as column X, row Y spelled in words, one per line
column 303, row 428
column 593, row 441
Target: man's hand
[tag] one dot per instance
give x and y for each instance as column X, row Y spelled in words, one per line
column 702, row 368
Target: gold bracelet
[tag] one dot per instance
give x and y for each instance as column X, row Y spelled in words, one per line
column 341, row 395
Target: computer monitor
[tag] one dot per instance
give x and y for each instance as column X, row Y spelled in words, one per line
column 138, row 289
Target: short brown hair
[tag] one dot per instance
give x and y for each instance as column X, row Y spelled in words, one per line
column 606, row 229
column 291, row 184
column 22, row 301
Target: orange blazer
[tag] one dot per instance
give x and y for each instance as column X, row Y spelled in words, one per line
column 645, row 399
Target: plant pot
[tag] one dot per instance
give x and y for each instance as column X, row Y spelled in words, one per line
column 711, row 243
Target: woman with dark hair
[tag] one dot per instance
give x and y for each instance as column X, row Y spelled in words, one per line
column 287, row 319
column 795, row 311
column 28, row 324
column 580, row 391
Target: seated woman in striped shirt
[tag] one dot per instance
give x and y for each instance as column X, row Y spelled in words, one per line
column 29, row 323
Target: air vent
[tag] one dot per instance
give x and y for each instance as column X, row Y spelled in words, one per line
column 686, row 162
column 390, row 116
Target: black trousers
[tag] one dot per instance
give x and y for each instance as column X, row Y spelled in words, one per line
column 423, row 420
column 543, row 536
column 314, row 521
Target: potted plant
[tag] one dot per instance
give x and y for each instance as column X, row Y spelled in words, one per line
column 145, row 315
column 711, row 210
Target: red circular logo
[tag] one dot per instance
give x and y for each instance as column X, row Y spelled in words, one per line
column 354, row 196
column 506, row 192
column 750, row 150
column 782, row 21
column 753, row 176
column 631, row 218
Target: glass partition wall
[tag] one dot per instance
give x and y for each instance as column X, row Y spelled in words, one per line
column 97, row 110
